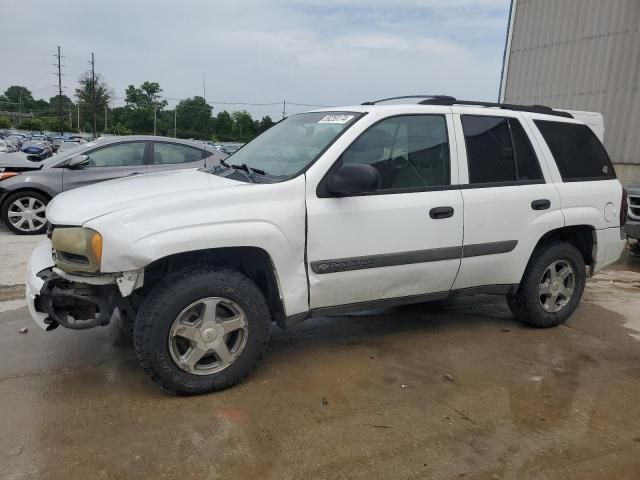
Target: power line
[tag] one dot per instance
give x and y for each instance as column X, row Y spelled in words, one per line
column 309, row 105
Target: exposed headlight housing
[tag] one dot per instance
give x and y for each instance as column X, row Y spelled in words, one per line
column 77, row 249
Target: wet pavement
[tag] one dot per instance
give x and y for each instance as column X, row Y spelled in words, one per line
column 460, row 392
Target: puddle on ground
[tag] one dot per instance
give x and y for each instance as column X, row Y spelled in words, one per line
column 617, row 290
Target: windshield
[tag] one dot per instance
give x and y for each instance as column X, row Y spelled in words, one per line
column 294, row 143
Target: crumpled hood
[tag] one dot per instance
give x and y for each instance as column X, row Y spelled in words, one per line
column 78, row 206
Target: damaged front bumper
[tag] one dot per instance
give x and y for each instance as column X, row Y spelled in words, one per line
column 77, row 302
column 40, row 260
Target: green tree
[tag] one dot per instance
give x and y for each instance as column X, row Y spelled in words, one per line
column 243, row 127
column 5, row 122
column 60, row 103
column 141, row 103
column 53, row 124
column 31, row 124
column 265, row 124
column 224, row 126
column 39, row 105
column 120, row 129
column 145, row 97
column 17, row 98
column 194, row 118
column 94, row 97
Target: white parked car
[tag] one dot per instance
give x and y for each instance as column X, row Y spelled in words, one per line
column 331, row 211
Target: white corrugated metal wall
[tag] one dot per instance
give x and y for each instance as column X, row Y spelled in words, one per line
column 581, row 55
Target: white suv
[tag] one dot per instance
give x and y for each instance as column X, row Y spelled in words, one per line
column 333, row 210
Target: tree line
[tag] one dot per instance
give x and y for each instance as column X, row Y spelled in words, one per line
column 144, row 112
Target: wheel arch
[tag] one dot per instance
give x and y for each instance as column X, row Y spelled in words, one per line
column 254, row 262
column 583, row 237
column 27, row 188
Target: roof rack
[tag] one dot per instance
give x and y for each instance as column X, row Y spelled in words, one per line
column 506, row 106
column 448, row 100
column 431, row 97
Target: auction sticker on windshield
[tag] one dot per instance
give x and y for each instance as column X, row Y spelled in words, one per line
column 335, row 119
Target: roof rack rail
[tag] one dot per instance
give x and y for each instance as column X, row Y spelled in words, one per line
column 442, row 100
column 433, row 97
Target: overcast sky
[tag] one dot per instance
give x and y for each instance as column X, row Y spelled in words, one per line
column 327, row 52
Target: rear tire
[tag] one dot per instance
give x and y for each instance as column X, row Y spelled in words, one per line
column 551, row 287
column 218, row 317
column 23, row 212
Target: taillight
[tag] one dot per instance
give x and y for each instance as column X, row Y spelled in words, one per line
column 624, row 207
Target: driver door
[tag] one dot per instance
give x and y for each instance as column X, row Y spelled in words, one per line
column 108, row 162
column 404, row 239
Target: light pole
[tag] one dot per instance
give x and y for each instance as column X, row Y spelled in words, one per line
column 175, row 122
column 154, row 121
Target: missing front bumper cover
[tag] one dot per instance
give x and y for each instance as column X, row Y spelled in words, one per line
column 74, row 305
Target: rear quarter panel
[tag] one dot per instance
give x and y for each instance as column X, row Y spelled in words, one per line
column 595, row 203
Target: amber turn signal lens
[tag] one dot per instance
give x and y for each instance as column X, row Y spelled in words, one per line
column 96, row 246
column 4, row 175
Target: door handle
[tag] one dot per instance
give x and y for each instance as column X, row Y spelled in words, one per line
column 441, row 212
column 542, row 204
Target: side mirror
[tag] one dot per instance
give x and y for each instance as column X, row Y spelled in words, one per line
column 78, row 162
column 354, row 178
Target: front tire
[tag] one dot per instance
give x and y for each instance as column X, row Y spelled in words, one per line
column 201, row 330
column 24, row 213
column 551, row 287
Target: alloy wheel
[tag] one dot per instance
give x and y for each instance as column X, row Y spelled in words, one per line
column 27, row 214
column 208, row 336
column 556, row 286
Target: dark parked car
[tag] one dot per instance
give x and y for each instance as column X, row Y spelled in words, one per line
column 27, row 186
column 37, row 150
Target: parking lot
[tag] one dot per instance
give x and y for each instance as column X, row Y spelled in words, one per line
column 424, row 391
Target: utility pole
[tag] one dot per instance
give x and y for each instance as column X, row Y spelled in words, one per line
column 204, row 88
column 78, row 115
column 93, row 96
column 175, row 122
column 70, row 119
column 60, row 106
column 105, row 118
column 284, row 108
column 154, row 120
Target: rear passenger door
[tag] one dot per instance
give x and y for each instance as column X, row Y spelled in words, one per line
column 509, row 199
column 174, row 156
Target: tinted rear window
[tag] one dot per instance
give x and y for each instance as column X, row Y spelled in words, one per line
column 577, row 151
column 498, row 151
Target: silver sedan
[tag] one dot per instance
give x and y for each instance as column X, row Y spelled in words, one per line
column 27, row 185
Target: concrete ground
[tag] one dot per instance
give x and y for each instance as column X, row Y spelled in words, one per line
column 14, row 253
column 464, row 392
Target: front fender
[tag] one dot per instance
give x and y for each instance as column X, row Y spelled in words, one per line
column 269, row 217
column 19, row 182
column 172, row 241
